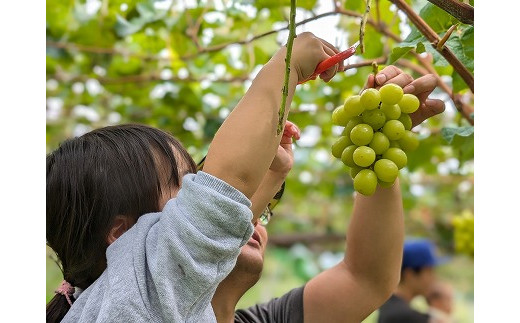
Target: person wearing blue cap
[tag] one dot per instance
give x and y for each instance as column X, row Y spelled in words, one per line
column 417, row 276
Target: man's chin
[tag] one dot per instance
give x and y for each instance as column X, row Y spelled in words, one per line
column 250, row 260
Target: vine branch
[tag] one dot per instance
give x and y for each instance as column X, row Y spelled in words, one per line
column 362, row 27
column 464, row 109
column 140, row 78
column 285, row 89
column 432, row 36
column 460, row 10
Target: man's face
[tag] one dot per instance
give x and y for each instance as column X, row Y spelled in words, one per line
column 251, row 258
column 444, row 299
column 424, row 280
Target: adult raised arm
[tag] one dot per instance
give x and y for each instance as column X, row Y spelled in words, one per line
column 246, row 143
column 370, row 270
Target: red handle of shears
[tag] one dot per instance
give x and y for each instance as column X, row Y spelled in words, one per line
column 331, row 61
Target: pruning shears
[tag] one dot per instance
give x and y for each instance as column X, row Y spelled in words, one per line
column 331, row 61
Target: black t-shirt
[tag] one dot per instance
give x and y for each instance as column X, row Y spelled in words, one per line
column 396, row 310
column 286, row 309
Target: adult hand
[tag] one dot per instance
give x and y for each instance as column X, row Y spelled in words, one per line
column 421, row 87
column 308, row 51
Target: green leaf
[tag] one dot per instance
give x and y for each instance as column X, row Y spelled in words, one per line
column 450, row 133
column 356, row 5
column 462, row 140
column 458, row 82
column 461, row 44
column 420, row 48
column 414, row 40
column 124, row 27
column 440, row 22
column 398, row 52
column 146, row 11
column 273, row 4
column 438, row 59
column 414, row 36
column 373, row 43
column 438, row 19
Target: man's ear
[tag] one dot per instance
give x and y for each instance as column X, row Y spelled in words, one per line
column 120, row 225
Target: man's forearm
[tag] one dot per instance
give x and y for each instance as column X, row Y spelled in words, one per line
column 269, row 186
column 375, row 237
column 245, row 144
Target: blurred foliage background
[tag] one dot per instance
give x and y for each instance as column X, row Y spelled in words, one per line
column 183, row 65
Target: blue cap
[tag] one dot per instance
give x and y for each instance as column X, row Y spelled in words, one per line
column 420, row 253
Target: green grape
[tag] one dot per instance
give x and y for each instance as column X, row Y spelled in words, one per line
column 391, row 111
column 464, row 233
column 397, row 156
column 379, row 143
column 409, row 103
column 370, row 99
column 374, row 118
column 361, row 134
column 354, row 170
column 385, row 184
column 393, row 129
column 364, row 156
column 394, row 144
column 365, row 182
column 351, row 124
column 339, row 116
column 386, row 170
column 406, row 121
column 391, row 93
column 347, row 157
column 409, row 141
column 340, row 145
column 353, row 106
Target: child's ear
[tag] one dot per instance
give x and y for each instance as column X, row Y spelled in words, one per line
column 121, row 225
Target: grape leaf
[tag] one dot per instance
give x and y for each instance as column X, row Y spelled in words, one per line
column 420, row 48
column 356, row 5
column 450, row 133
column 124, row 27
column 461, row 44
column 458, row 82
column 398, row 52
column 273, row 4
column 147, row 14
column 461, row 139
column 439, row 21
column 374, row 43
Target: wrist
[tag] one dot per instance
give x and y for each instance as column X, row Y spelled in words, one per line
column 278, row 59
column 278, row 175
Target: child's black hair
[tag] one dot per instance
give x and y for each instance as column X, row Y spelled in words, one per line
column 113, row 171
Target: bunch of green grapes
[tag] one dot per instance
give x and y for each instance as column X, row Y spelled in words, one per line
column 463, row 225
column 376, row 136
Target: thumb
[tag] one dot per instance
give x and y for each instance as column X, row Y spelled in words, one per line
column 428, row 109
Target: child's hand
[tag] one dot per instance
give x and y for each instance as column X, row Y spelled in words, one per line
column 308, row 51
column 421, row 87
column 283, row 161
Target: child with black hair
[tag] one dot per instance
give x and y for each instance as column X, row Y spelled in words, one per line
column 143, row 237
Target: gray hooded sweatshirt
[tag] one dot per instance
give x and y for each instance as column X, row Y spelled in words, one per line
column 167, row 267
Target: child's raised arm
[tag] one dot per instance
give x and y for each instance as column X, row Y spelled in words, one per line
column 246, row 143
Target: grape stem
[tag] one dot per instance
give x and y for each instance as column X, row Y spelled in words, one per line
column 375, row 70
